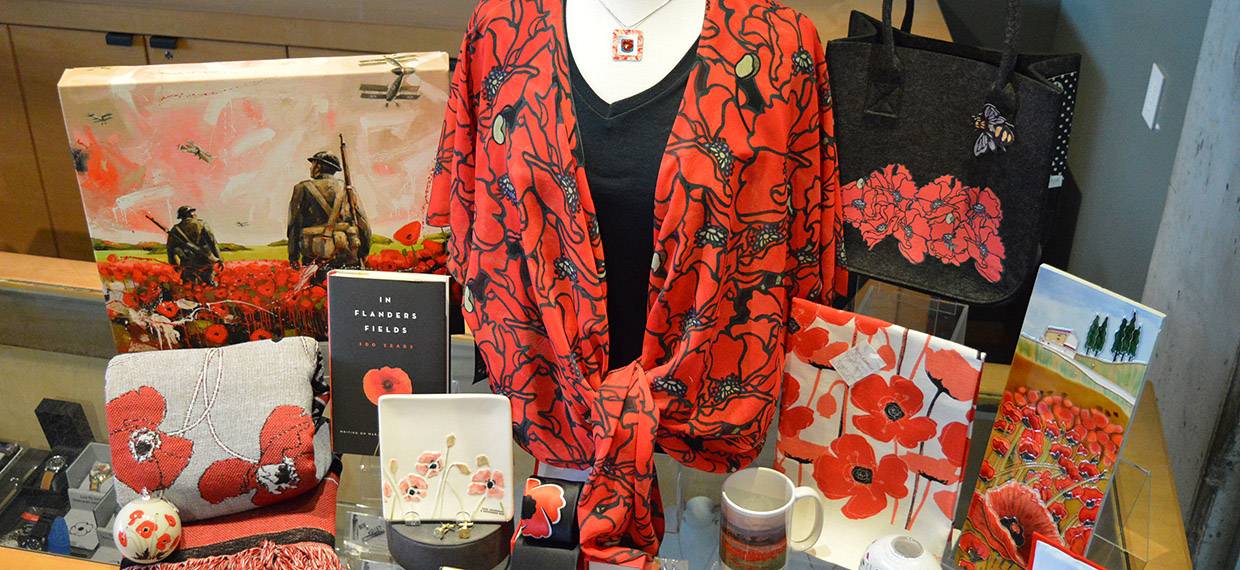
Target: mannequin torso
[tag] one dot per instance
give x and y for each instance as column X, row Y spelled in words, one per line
column 668, row 33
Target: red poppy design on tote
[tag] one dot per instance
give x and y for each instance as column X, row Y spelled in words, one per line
column 944, row 218
column 155, row 459
column 850, row 471
column 548, row 502
column 387, row 380
column 891, row 411
column 285, row 469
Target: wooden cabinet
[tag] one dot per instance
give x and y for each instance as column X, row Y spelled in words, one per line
column 298, row 51
column 190, row 50
column 25, row 226
column 42, row 55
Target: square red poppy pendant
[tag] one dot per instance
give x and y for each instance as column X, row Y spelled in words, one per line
column 626, row 45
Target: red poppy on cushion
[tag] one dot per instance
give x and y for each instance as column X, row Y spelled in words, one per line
column 284, row 470
column 168, row 309
column 890, row 410
column 952, row 373
column 795, row 419
column 386, row 380
column 409, row 233
column 973, row 546
column 849, row 471
column 260, row 334
column 548, row 503
column 954, row 439
column 986, row 249
column 216, row 334
column 143, row 456
column 489, row 482
column 1010, row 516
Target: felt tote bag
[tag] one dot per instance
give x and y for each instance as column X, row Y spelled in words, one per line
column 946, row 156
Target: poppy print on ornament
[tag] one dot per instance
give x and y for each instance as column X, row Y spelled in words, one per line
column 387, row 380
column 284, row 469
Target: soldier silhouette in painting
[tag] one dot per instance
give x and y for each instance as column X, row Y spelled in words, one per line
column 326, row 225
column 192, row 248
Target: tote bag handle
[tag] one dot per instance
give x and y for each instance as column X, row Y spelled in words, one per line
column 889, row 69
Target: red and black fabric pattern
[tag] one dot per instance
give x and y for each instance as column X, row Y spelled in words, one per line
column 746, row 217
column 299, row 533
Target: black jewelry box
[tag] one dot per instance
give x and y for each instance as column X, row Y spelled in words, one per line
column 68, row 433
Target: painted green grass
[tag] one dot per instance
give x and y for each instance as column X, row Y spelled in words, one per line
column 255, row 252
column 1127, row 375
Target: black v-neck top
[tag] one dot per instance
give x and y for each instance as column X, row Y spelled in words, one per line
column 622, row 145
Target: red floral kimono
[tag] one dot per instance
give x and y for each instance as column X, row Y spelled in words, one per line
column 746, row 216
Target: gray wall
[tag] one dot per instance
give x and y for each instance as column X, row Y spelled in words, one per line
column 1122, row 167
column 1194, row 275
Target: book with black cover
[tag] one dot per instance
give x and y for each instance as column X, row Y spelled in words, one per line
column 387, row 334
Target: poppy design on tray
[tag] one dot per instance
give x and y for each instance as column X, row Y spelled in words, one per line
column 541, row 508
column 943, row 219
column 285, row 467
column 434, row 474
column 386, row 380
column 155, row 458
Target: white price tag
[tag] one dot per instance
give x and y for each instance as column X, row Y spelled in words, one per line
column 857, row 363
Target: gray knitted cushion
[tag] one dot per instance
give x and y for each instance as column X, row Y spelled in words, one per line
column 219, row 430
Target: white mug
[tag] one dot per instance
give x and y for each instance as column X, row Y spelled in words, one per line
column 756, row 529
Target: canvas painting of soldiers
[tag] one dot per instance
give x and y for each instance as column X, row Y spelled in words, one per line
column 219, row 195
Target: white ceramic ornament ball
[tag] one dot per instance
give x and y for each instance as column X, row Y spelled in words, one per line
column 147, row 529
column 897, row 552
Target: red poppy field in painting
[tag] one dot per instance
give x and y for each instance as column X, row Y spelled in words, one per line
column 1046, row 469
column 150, row 307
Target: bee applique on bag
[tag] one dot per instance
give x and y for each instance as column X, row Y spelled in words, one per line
column 949, row 156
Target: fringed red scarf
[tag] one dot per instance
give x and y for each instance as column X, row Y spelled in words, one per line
column 297, row 534
column 746, row 217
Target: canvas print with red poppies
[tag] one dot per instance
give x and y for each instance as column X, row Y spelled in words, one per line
column 231, row 140
column 887, row 449
column 1077, row 374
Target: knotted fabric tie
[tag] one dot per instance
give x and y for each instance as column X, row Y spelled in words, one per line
column 620, row 510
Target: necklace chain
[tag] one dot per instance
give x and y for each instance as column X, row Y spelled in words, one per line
column 637, row 23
